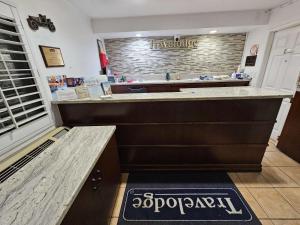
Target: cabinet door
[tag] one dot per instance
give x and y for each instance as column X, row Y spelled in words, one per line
column 87, row 205
column 110, row 175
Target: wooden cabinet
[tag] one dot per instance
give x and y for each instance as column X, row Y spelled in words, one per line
column 289, row 140
column 95, row 201
column 172, row 87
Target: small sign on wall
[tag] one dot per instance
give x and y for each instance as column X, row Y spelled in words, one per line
column 52, row 56
column 251, row 60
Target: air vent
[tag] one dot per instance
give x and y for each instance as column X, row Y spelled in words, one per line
column 5, row 174
column 61, row 133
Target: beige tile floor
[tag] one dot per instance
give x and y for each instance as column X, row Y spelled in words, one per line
column 273, row 194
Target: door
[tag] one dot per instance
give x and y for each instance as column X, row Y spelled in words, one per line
column 283, row 70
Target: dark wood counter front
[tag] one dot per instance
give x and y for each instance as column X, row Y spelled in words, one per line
column 229, row 135
column 289, row 140
column 173, row 86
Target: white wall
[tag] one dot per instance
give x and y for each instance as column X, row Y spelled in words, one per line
column 73, row 35
column 280, row 18
column 79, row 49
column 181, row 21
column 285, row 15
column 260, row 37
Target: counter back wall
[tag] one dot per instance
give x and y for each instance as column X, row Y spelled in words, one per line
column 216, row 54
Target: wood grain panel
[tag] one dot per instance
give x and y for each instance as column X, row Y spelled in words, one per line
column 174, row 87
column 192, row 134
column 289, row 140
column 171, row 112
column 233, row 154
column 242, row 167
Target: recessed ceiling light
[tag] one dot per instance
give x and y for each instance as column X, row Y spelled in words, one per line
column 138, row 35
column 212, row 31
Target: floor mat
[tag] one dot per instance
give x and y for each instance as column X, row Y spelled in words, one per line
column 209, row 198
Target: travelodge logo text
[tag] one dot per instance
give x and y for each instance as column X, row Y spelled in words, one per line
column 185, row 204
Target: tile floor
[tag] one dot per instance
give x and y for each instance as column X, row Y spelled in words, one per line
column 273, row 194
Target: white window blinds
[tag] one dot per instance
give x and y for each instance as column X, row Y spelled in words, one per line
column 20, row 100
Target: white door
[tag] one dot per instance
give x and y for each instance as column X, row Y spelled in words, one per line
column 283, row 70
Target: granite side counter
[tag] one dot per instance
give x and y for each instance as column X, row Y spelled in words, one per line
column 43, row 191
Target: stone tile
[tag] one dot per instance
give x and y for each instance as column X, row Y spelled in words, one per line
column 273, row 142
column 274, row 204
column 280, row 159
column 118, row 204
column 271, row 148
column 253, row 179
column 292, row 172
column 286, row 222
column 259, row 212
column 148, row 63
column 236, row 180
column 292, row 195
column 113, row 221
column 277, row 178
column 266, row 222
column 124, row 178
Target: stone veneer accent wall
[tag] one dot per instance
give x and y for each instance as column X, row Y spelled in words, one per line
column 216, row 55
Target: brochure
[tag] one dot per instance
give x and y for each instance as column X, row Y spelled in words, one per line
column 106, row 88
column 67, row 94
column 94, row 86
column 75, row 81
column 56, row 83
column 82, row 92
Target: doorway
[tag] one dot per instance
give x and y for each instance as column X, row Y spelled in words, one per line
column 283, row 70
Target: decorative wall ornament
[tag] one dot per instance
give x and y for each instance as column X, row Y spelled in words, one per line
column 40, row 21
column 254, row 49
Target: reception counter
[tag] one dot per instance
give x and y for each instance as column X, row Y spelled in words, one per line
column 196, row 129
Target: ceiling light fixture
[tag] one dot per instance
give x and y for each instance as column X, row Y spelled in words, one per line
column 138, row 35
column 212, row 31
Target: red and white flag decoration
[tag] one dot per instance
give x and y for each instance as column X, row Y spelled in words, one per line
column 102, row 55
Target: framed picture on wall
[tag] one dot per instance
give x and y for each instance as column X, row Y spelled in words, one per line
column 52, row 56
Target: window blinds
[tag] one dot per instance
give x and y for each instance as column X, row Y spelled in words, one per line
column 20, row 100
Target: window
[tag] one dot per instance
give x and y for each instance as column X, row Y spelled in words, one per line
column 21, row 103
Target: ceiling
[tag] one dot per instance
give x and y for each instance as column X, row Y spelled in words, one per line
column 132, row 8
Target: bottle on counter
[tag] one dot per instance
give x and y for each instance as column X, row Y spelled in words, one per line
column 168, row 77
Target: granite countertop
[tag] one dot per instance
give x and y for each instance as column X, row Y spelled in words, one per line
column 189, row 94
column 240, row 92
column 188, row 81
column 42, row 192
